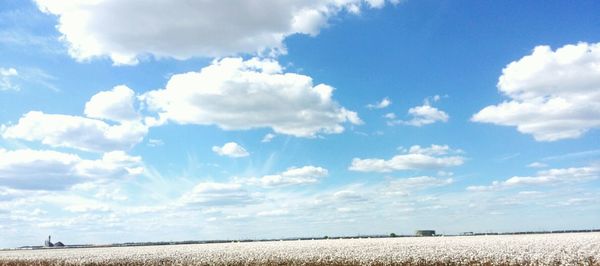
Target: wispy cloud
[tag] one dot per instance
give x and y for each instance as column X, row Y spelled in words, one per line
column 19, row 78
column 19, row 38
column 7, row 76
column 573, row 155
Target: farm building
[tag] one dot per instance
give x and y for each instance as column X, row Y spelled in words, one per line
column 48, row 243
column 425, row 233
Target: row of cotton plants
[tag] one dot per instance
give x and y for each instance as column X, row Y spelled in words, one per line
column 543, row 249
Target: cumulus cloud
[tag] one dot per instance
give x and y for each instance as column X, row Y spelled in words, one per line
column 425, row 115
column 221, row 194
column 292, row 176
column 235, row 94
column 421, row 115
column 231, row 149
column 52, row 170
column 415, row 158
column 75, row 132
column 385, row 102
column 128, row 30
column 546, row 177
column 115, row 105
column 553, row 95
column 6, row 76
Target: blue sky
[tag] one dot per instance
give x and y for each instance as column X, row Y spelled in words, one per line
column 128, row 121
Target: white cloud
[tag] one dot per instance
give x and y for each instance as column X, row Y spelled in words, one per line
column 7, row 194
column 222, row 194
column 292, row 176
column 537, row 165
column 553, row 95
column 155, row 142
column 434, row 149
column 231, row 149
column 574, row 155
column 25, row 77
column 385, row 102
column 112, row 163
column 75, row 132
column 578, row 201
column 268, row 137
column 421, row 115
column 425, row 115
column 419, row 182
column 435, row 98
column 405, row 186
column 555, row 176
column 104, row 190
column 8, row 72
column 115, row 105
column 236, row 94
column 271, row 213
column 416, row 158
column 348, row 196
column 51, row 170
column 15, row 37
column 495, row 185
column 377, row 3
column 128, row 30
column 6, row 76
column 390, row 116
column 84, row 207
column 547, row 177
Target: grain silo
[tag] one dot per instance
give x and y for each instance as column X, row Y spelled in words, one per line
column 48, row 243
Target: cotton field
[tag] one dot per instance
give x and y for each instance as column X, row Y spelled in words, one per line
column 542, row 249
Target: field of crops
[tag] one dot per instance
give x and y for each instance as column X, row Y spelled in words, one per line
column 546, row 249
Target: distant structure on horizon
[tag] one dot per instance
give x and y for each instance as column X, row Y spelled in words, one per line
column 425, row 233
column 48, row 243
